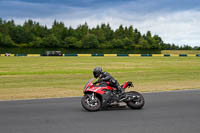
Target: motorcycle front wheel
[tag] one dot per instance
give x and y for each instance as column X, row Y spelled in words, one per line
column 91, row 104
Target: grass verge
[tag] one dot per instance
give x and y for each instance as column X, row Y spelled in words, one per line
column 180, row 51
column 50, row 77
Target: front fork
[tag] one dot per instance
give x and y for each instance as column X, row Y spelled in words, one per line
column 93, row 95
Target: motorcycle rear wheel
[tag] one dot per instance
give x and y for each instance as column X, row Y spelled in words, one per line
column 138, row 103
column 90, row 105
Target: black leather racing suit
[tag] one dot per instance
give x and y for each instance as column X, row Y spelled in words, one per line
column 106, row 77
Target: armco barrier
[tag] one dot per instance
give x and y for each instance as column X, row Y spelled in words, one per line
column 134, row 55
column 114, row 55
column 20, row 54
column 110, row 55
column 97, row 54
column 157, row 55
column 166, row 55
column 198, row 55
column 191, row 55
column 146, row 55
column 70, row 54
column 33, row 55
column 122, row 54
column 183, row 55
column 174, row 55
column 84, row 55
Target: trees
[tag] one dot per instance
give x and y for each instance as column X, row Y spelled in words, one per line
column 90, row 41
column 119, row 33
column 50, row 41
column 32, row 34
column 82, row 31
column 143, row 43
column 117, row 43
column 71, row 42
column 197, row 48
column 127, row 43
column 6, row 41
column 58, row 29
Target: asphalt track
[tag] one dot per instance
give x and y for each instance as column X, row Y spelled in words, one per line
column 166, row 112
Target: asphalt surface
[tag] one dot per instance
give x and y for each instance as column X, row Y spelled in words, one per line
column 166, row 112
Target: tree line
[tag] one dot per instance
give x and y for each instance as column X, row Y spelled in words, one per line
column 34, row 35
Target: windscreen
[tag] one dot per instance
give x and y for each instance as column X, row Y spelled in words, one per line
column 90, row 80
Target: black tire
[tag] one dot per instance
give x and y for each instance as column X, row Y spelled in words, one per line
column 86, row 106
column 136, row 104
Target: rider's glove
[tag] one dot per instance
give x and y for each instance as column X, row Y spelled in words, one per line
column 99, row 81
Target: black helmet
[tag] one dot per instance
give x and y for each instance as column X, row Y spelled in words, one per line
column 97, row 71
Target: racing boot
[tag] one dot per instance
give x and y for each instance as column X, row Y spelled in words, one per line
column 121, row 91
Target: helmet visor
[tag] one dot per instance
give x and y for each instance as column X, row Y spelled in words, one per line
column 96, row 75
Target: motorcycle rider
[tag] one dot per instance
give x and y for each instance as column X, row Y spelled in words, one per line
column 106, row 77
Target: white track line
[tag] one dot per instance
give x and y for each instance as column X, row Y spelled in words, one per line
column 80, row 96
column 184, row 90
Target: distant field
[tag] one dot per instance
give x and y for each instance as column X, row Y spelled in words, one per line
column 180, row 51
column 46, row 77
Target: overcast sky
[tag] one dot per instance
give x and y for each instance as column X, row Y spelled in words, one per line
column 176, row 21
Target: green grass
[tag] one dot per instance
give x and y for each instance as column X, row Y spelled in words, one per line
column 180, row 51
column 45, row 77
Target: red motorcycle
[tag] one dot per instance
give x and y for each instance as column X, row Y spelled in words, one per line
column 101, row 95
